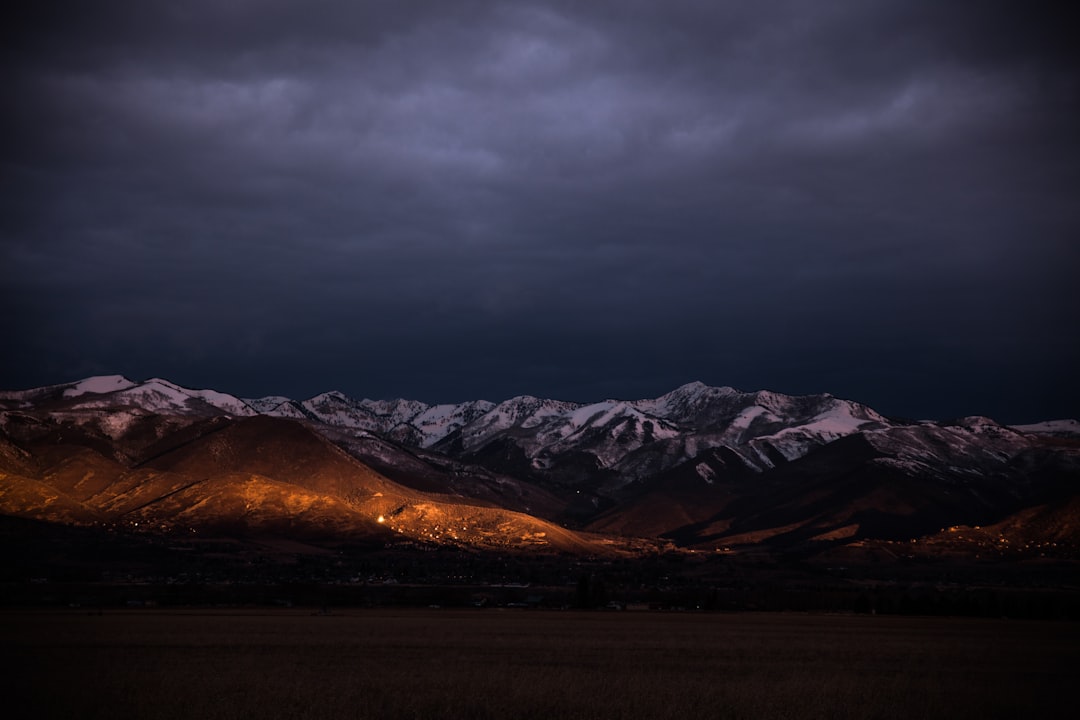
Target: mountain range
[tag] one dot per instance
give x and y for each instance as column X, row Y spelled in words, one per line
column 699, row 468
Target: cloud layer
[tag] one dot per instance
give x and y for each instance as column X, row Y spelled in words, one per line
column 450, row 200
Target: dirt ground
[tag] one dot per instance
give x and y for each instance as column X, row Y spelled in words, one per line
column 525, row 664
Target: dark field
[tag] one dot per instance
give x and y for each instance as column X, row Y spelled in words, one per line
column 532, row 664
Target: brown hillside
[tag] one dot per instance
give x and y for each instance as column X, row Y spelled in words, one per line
column 276, row 448
column 137, row 489
column 79, row 471
column 14, row 459
column 264, row 475
column 249, row 502
column 30, row 498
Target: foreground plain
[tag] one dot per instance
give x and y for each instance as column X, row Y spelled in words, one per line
column 531, row 664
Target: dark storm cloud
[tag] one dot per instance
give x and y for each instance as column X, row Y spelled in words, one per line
column 446, row 200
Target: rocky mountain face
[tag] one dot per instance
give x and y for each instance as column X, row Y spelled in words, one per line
column 703, row 466
column 566, row 443
column 177, row 461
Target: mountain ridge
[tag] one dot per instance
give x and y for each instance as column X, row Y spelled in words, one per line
column 701, row 466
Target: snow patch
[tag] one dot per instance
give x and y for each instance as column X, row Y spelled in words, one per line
column 157, row 395
column 685, row 399
column 832, row 424
column 588, row 415
column 1066, row 427
column 438, row 421
column 115, row 424
column 99, row 385
column 706, row 473
column 744, row 419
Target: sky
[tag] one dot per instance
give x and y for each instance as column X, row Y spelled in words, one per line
column 442, row 201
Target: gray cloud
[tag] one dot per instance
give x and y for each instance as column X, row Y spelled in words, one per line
column 446, row 200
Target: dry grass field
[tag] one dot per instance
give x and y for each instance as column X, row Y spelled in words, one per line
column 531, row 664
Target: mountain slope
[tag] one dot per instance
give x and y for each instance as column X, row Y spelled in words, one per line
column 256, row 474
column 115, row 391
column 705, row 466
column 900, row 482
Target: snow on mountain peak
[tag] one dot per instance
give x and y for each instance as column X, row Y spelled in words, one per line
column 582, row 415
column 627, row 440
column 438, row 421
column 690, row 387
column 685, row 403
column 697, row 389
column 277, row 406
column 396, row 411
column 836, row 420
column 265, row 404
column 99, row 385
column 154, row 395
column 975, row 422
column 1061, row 428
column 178, row 396
column 333, row 395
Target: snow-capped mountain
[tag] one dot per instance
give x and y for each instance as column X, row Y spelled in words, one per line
column 1057, row 428
column 626, row 441
column 601, row 446
column 99, row 385
column 434, row 423
column 623, row 441
column 337, row 409
column 115, row 391
column 277, row 405
column 609, row 443
column 699, row 464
